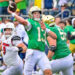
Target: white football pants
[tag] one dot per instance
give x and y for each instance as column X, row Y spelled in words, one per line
column 65, row 65
column 34, row 57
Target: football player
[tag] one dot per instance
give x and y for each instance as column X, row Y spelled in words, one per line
column 11, row 44
column 59, row 52
column 36, row 31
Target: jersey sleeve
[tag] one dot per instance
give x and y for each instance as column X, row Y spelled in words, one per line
column 55, row 30
column 29, row 26
column 47, row 28
column 66, row 29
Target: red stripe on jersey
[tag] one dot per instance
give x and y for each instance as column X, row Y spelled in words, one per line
column 4, row 48
column 5, row 44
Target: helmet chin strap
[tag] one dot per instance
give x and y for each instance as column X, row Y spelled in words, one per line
column 37, row 19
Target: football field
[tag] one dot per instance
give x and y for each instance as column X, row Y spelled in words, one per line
column 1, row 72
column 34, row 74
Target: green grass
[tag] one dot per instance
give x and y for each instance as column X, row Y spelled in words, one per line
column 2, row 71
column 74, row 73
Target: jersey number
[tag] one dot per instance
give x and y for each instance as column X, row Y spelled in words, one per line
column 63, row 35
column 4, row 48
column 39, row 36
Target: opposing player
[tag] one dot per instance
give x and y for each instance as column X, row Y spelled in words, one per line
column 59, row 52
column 36, row 31
column 11, row 44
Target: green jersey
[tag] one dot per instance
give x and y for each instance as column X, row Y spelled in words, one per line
column 72, row 31
column 62, row 49
column 4, row 4
column 22, row 5
column 68, row 28
column 36, row 35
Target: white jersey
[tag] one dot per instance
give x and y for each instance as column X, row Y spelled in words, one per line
column 10, row 56
column 20, row 30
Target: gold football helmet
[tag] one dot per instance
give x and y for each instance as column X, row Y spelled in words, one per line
column 49, row 19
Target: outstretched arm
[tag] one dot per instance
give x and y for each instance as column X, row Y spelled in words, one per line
column 20, row 19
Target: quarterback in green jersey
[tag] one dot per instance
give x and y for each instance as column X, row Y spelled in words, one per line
column 36, row 31
column 61, row 56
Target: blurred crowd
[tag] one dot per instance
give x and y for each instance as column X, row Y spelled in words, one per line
column 52, row 7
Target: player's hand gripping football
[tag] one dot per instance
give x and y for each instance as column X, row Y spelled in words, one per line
column 9, row 10
column 12, row 7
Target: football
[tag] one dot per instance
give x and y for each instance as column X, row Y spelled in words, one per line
column 12, row 6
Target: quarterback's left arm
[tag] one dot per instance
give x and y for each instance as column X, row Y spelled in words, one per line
column 52, row 48
column 51, row 34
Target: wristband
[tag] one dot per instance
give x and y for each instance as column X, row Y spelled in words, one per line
column 13, row 14
column 52, row 48
column 47, row 30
